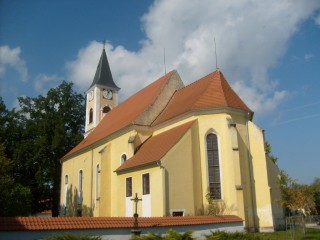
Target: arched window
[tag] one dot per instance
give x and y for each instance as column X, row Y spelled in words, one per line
column 106, row 109
column 91, row 115
column 213, row 166
column 123, row 158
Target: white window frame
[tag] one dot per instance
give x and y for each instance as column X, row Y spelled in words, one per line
column 148, row 184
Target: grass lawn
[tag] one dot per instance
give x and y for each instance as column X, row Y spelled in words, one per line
column 310, row 234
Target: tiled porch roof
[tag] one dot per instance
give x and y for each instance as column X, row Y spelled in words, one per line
column 60, row 223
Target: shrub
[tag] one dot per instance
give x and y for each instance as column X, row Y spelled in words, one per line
column 236, row 235
column 72, row 237
column 170, row 235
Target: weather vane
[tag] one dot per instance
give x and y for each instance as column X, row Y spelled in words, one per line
column 215, row 52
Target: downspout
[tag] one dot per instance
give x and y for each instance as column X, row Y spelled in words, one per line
column 251, row 173
column 164, row 191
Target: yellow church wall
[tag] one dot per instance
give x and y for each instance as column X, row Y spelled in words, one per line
column 118, row 147
column 273, row 180
column 218, row 124
column 180, row 185
column 72, row 168
column 156, row 190
column 104, row 203
column 243, row 172
column 249, row 212
column 229, row 159
column 108, row 157
column 261, row 186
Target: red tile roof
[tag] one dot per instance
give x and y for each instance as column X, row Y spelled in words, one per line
column 60, row 223
column 156, row 147
column 210, row 91
column 124, row 114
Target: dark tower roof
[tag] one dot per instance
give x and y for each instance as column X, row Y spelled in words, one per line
column 103, row 74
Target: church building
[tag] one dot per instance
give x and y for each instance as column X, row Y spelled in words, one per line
column 174, row 147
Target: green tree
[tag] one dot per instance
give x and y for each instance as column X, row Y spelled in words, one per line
column 15, row 199
column 296, row 196
column 268, row 152
column 10, row 129
column 52, row 126
column 316, row 193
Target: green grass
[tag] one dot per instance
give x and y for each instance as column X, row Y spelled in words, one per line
column 311, row 234
column 282, row 235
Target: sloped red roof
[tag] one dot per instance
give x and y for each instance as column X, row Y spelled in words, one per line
column 156, row 147
column 124, row 114
column 60, row 223
column 210, row 91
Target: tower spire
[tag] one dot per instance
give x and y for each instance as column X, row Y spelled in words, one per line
column 103, row 74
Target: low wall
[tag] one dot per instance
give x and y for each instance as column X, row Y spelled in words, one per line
column 114, row 228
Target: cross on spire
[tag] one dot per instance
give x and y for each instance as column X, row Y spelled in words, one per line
column 104, row 43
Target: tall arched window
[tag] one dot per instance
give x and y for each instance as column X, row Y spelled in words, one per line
column 213, row 166
column 91, row 115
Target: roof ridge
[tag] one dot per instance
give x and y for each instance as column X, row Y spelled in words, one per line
column 146, row 87
column 170, row 74
column 227, row 88
column 177, row 92
column 190, row 84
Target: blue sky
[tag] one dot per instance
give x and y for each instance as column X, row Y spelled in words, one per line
column 269, row 51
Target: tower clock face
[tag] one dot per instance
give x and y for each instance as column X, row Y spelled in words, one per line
column 107, row 93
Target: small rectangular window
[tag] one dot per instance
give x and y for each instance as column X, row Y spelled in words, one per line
column 177, row 213
column 129, row 187
column 146, row 183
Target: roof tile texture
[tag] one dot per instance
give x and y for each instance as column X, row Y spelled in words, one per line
column 124, row 114
column 156, row 147
column 210, row 91
column 36, row 223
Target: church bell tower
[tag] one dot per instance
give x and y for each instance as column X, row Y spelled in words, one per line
column 102, row 95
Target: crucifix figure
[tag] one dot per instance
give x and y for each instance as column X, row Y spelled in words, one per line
column 136, row 200
column 135, row 229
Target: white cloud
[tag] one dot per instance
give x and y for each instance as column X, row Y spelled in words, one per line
column 251, row 38
column 42, row 81
column 11, row 57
